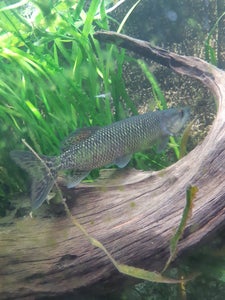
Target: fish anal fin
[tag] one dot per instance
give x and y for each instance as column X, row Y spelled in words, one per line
column 122, row 161
column 77, row 136
column 74, row 179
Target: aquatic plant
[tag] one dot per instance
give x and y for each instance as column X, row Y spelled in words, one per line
column 52, row 73
column 159, row 100
column 56, row 78
column 210, row 51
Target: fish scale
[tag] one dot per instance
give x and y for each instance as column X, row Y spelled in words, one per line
column 94, row 147
column 120, row 138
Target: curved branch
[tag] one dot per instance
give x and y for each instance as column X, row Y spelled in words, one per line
column 134, row 221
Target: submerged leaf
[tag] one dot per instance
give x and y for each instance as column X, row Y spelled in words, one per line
column 191, row 192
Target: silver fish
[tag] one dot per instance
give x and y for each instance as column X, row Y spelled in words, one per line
column 94, row 147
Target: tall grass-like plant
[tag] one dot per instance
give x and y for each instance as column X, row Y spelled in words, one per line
column 52, row 71
column 154, row 160
column 210, row 51
column 56, row 78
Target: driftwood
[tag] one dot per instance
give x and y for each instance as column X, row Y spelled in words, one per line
column 135, row 221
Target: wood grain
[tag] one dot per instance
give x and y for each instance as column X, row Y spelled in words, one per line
column 48, row 256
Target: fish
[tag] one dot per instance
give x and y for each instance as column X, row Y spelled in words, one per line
column 94, row 147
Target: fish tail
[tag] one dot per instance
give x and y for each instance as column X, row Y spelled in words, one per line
column 43, row 171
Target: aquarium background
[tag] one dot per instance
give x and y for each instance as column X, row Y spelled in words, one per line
column 55, row 77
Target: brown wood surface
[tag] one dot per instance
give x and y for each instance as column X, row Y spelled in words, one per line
column 135, row 221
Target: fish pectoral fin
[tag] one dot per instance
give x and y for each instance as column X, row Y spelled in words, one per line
column 162, row 143
column 76, row 178
column 77, row 136
column 122, row 161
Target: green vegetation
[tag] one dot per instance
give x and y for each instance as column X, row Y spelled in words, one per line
column 190, row 196
column 52, row 71
column 210, row 51
column 124, row 269
column 200, row 275
column 207, row 260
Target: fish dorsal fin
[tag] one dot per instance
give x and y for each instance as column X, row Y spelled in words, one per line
column 78, row 136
